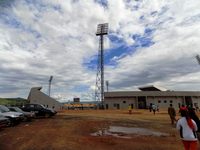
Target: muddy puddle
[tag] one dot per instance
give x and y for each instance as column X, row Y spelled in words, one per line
column 127, row 132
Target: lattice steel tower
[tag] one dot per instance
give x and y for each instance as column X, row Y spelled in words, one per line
column 102, row 29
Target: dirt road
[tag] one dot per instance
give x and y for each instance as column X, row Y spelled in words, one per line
column 91, row 130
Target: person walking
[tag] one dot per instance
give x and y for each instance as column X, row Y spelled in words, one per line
column 193, row 115
column 154, row 109
column 187, row 128
column 158, row 108
column 172, row 113
column 150, row 107
column 129, row 109
column 183, row 107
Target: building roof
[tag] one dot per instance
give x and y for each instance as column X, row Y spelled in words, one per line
column 152, row 88
column 36, row 94
column 151, row 93
column 80, row 105
column 36, row 88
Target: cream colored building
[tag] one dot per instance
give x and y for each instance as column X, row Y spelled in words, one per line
column 150, row 95
column 38, row 97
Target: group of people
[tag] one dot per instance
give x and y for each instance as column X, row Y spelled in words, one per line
column 188, row 125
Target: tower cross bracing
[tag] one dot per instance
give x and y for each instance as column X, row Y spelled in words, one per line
column 102, row 29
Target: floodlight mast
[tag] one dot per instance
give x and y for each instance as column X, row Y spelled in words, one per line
column 198, row 59
column 102, row 29
column 50, row 79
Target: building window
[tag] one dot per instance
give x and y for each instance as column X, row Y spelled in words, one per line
column 159, row 101
column 171, row 101
column 124, row 102
column 165, row 101
column 117, row 105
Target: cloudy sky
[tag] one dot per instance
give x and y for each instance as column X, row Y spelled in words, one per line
column 150, row 42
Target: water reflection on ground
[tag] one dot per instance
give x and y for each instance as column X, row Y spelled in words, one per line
column 126, row 132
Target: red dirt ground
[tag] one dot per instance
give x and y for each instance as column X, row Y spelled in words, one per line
column 71, row 130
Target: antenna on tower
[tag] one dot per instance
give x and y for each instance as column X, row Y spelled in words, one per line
column 102, row 29
column 50, row 79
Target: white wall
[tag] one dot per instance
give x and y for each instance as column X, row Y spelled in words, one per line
column 123, row 102
column 164, row 101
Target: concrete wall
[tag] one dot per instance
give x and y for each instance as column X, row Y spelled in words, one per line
column 123, row 103
column 161, row 101
column 38, row 97
column 165, row 101
column 196, row 101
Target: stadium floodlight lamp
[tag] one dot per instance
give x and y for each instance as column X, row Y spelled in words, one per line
column 198, row 59
column 102, row 29
column 50, row 79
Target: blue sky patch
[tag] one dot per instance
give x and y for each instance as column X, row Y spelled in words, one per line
column 10, row 20
column 143, row 41
column 122, row 50
column 142, row 17
column 6, row 3
column 104, row 3
column 42, row 7
column 57, row 7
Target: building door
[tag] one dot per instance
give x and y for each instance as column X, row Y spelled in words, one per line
column 188, row 101
column 142, row 102
column 179, row 105
column 118, row 106
column 132, row 106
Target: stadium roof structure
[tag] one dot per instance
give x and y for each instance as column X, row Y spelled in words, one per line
column 36, row 96
column 152, row 88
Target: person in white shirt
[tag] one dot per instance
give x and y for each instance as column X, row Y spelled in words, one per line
column 154, row 108
column 187, row 128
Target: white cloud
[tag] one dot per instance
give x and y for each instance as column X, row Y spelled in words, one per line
column 172, row 55
column 51, row 37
